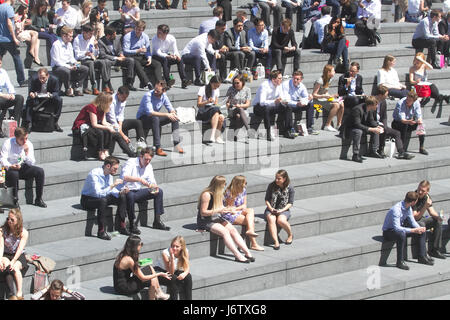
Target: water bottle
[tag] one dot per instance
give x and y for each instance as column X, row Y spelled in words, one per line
column 91, row 48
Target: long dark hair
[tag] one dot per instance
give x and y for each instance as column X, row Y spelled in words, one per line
column 287, row 181
column 208, row 88
column 56, row 285
column 130, row 249
column 339, row 32
column 38, row 6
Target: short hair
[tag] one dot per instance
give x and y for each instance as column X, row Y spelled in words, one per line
column 111, row 160
column 425, row 183
column 87, row 28
column 241, row 13
column 101, row 1
column 109, row 31
column 147, row 150
column 274, row 74
column 140, row 24
column 382, row 89
column 162, row 83
column 413, row 95
column 237, row 20
column 258, row 21
column 213, row 34
column 286, row 22
column 44, row 70
column 411, row 196
column 435, row 13
column 164, row 28
column 218, row 11
column 220, row 23
column 123, row 90
column 355, row 64
column 20, row 132
column 297, row 73
column 66, row 30
column 371, row 100
column 326, row 10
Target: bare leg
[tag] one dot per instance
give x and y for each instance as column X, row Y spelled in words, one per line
column 223, row 232
column 340, row 114
column 214, row 122
column 283, row 223
column 271, row 221
column 18, row 278
column 333, row 112
column 238, row 239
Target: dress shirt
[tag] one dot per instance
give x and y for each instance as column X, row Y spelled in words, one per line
column 267, row 93
column 98, row 185
column 198, row 47
column 207, row 25
column 163, row 47
column 372, row 8
column 116, row 111
column 396, row 217
column 414, row 7
column 6, row 12
column 70, row 18
column 62, row 54
column 388, row 78
column 257, row 40
column 11, row 152
column 131, row 43
column 426, row 29
column 295, row 94
column 151, row 103
column 319, row 27
column 402, row 112
column 237, row 39
column 81, row 46
column 132, row 168
column 5, row 82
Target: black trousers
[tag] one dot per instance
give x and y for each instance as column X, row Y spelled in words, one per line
column 391, row 133
column 430, row 44
column 136, row 124
column 354, row 135
column 166, row 63
column 136, row 196
column 100, row 204
column 116, row 137
column 279, row 58
column 17, row 103
column 71, row 78
column 265, row 112
column 155, row 123
column 361, row 26
column 309, row 108
column 183, row 287
column 24, row 173
column 429, row 223
column 101, row 139
column 265, row 14
column 400, row 239
column 405, row 133
column 53, row 105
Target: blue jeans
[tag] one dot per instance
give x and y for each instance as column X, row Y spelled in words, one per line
column 196, row 62
column 338, row 49
column 15, row 53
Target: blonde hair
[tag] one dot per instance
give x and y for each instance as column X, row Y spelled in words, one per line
column 325, row 77
column 85, row 4
column 103, row 101
column 215, row 188
column 17, row 229
column 183, row 261
column 236, row 186
column 387, row 58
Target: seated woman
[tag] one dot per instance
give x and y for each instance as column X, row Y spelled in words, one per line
column 129, row 15
column 208, row 111
column 57, row 291
column 127, row 263
column 93, row 128
column 334, row 42
column 31, row 36
column 84, row 15
column 13, row 238
column 388, row 77
column 41, row 24
column 418, row 73
column 236, row 196
column 279, row 199
column 239, row 98
column 175, row 261
column 210, row 210
column 327, row 101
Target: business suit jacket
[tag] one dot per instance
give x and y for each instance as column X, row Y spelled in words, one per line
column 343, row 91
column 362, row 119
column 230, row 42
column 383, row 114
column 106, row 52
column 281, row 40
column 52, row 85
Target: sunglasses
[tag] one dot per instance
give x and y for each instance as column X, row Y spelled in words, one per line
column 10, row 219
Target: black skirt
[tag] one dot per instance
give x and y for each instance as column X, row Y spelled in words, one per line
column 206, row 113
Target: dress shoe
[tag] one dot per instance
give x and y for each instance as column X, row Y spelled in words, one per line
column 425, row 260
column 161, row 226
column 185, row 83
column 104, row 235
column 78, row 93
column 242, row 261
column 58, row 128
column 95, row 92
column 357, row 158
column 251, row 259
column 150, row 86
column 402, row 265
column 69, row 93
column 124, row 231
column 40, row 203
column 198, row 82
column 381, row 153
column 435, row 253
column 87, row 91
column 423, row 151
column 131, row 88
column 160, row 152
column 135, row 230
column 405, row 156
column 424, row 101
column 375, row 154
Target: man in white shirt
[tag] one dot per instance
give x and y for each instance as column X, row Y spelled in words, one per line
column 319, row 25
column 17, row 156
column 66, row 15
column 270, row 99
column 200, row 53
column 369, row 16
column 86, row 50
column 10, row 98
column 164, row 50
column 139, row 179
column 65, row 66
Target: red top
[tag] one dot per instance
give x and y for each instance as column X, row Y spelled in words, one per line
column 84, row 117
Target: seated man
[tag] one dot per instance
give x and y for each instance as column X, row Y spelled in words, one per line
column 280, row 46
column 150, row 114
column 248, row 24
column 17, row 156
column 200, row 53
column 268, row 6
column 319, row 25
column 66, row 15
column 99, row 191
column 64, row 64
column 362, row 120
column 399, row 223
column 258, row 41
column 10, row 98
column 369, row 15
column 382, row 94
column 299, row 100
column 44, row 88
column 111, row 53
column 434, row 221
column 140, row 181
column 293, row 6
column 210, row 24
column 116, row 117
column 238, row 50
column 220, row 49
column 270, row 100
column 136, row 44
column 165, row 50
column 427, row 35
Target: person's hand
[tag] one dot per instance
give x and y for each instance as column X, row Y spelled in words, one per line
column 110, row 129
column 349, row 80
column 120, row 58
column 12, row 264
column 429, row 202
column 117, row 182
column 419, row 230
column 210, row 100
column 149, row 61
column 144, row 182
column 15, row 167
column 127, row 140
column 2, row 265
column 32, row 95
column 217, row 55
column 182, row 276
column 278, row 100
column 286, row 49
column 172, row 117
column 315, row 4
column 361, row 5
column 275, row 212
column 124, row 190
column 246, row 49
column 166, row 275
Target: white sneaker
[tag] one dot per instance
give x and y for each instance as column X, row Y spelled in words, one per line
column 219, row 140
column 330, row 128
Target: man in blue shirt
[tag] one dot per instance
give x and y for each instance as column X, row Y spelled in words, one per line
column 99, row 191
column 258, row 41
column 150, row 114
column 8, row 40
column 136, row 44
column 400, row 223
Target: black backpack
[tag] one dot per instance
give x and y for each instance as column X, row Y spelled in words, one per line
column 43, row 119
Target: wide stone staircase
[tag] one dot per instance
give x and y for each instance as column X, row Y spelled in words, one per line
column 339, row 205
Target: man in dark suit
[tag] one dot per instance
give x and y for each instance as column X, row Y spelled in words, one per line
column 111, row 51
column 248, row 24
column 362, row 120
column 44, row 88
column 236, row 41
column 382, row 94
column 220, row 47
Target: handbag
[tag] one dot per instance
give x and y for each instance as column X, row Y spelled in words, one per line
column 206, row 76
column 43, row 122
column 231, row 76
column 7, row 198
column 423, row 91
column 420, row 131
column 260, row 70
column 40, row 280
column 390, row 148
column 8, row 127
column 186, row 115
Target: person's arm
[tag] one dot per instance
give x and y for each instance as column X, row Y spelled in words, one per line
column 127, row 45
column 93, row 119
column 56, row 54
column 204, row 202
column 2, row 247
column 29, row 153
column 4, row 154
column 38, row 295
column 102, row 52
column 315, row 93
column 411, row 76
column 343, row 86
column 129, row 264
